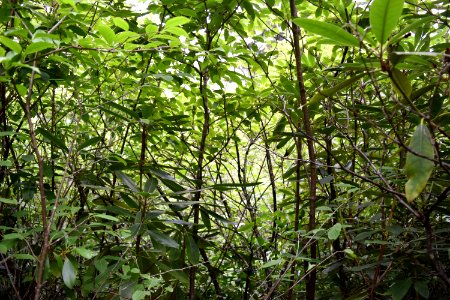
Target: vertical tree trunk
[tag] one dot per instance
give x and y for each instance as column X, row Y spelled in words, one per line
column 311, row 278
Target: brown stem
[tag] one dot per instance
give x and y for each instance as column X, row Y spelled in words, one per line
column 311, row 279
column 199, row 176
column 45, row 227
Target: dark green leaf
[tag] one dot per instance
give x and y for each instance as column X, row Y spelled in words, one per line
column 53, row 139
column 192, row 250
column 163, row 239
column 399, row 289
column 127, row 181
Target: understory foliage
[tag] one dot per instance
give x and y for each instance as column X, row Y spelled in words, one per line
column 224, row 149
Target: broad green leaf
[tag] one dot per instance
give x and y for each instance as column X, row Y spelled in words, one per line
column 6, row 133
column 163, row 239
column 8, row 201
column 5, row 163
column 272, row 263
column 422, row 288
column 335, row 34
column 86, row 253
column 24, row 256
column 101, row 265
column 127, row 181
column 176, row 21
column 418, row 169
column 401, row 83
column 140, row 295
column 121, row 23
column 106, row 32
column 52, row 138
column 126, row 36
column 69, row 273
column 399, row 289
column 383, row 17
column 151, row 29
column 14, row 46
column 335, row 231
column 178, row 31
column 37, row 46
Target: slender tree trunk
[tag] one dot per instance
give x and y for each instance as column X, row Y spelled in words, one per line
column 199, row 175
column 311, row 278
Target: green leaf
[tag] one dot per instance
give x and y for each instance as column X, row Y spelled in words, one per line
column 176, row 31
column 106, row 32
column 272, row 263
column 5, row 163
column 383, row 17
column 24, row 256
column 192, row 250
column 163, row 239
column 330, row 92
column 8, row 201
column 422, row 288
column 106, row 217
column 52, row 138
column 140, row 295
column 86, row 253
column 37, row 46
column 127, row 181
column 399, row 289
column 6, row 133
column 121, row 23
column 418, row 169
column 176, row 21
column 335, row 231
column 150, row 185
column 69, row 273
column 14, row 46
column 130, row 202
column 335, row 34
column 401, row 83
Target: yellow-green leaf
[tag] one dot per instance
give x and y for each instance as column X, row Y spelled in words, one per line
column 176, row 21
column 14, row 46
column 121, row 23
column 38, row 46
column 106, row 32
column 401, row 83
column 418, row 169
